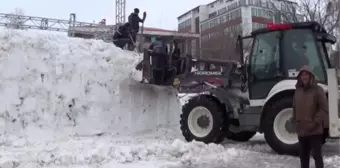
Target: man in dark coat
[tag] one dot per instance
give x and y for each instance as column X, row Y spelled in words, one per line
column 121, row 37
column 159, row 59
column 311, row 117
column 134, row 21
column 177, row 52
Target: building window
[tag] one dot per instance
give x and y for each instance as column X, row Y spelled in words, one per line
column 211, row 15
column 211, row 24
column 225, row 31
column 268, row 14
column 235, row 14
column 185, row 24
column 256, row 26
column 188, row 23
column 223, row 19
column 205, row 26
column 243, row 2
column 223, row 10
column 232, row 30
column 253, row 12
column 258, row 3
column 251, row 2
column 233, row 6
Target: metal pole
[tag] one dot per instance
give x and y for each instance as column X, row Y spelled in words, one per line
column 72, row 22
column 120, row 11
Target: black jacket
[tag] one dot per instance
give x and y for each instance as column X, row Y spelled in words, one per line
column 134, row 21
column 122, row 32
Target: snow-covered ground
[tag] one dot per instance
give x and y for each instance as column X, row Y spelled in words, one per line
column 67, row 102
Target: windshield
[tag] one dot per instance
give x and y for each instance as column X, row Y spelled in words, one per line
column 301, row 48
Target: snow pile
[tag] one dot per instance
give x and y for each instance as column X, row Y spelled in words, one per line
column 51, row 81
column 105, row 150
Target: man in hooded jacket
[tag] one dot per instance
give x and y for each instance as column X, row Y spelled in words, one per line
column 310, row 109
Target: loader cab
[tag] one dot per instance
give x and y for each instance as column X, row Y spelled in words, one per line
column 164, row 69
column 278, row 53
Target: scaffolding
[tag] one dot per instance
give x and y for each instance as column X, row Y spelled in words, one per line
column 71, row 26
column 120, row 11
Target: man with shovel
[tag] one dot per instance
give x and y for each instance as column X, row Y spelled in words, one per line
column 134, row 21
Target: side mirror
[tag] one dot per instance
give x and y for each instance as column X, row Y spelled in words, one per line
column 327, row 38
column 330, row 39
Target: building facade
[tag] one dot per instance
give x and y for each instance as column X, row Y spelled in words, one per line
column 221, row 21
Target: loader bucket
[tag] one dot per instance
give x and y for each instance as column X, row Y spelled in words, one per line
column 160, row 69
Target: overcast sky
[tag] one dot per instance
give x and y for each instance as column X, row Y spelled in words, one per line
column 161, row 13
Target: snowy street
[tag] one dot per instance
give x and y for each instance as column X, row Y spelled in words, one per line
column 71, row 103
column 153, row 150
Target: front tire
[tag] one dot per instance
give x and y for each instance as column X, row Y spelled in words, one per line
column 202, row 119
column 278, row 136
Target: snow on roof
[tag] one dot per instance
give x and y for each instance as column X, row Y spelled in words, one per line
column 146, row 31
column 163, row 32
column 157, row 29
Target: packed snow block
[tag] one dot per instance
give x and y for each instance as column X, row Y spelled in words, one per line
column 49, row 81
column 149, row 107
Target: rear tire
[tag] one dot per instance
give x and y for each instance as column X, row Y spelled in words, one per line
column 276, row 134
column 243, row 136
column 190, row 126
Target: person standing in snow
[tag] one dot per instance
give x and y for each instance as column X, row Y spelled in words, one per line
column 134, row 21
column 310, row 110
column 121, row 37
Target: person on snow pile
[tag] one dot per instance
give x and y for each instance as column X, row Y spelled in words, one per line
column 122, row 37
column 134, row 21
column 310, row 116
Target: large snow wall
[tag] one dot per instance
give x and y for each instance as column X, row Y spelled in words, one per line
column 49, row 81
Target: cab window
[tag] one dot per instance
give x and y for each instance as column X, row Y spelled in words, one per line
column 301, row 48
column 264, row 59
